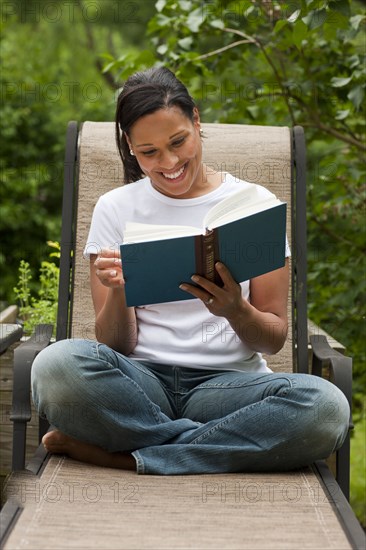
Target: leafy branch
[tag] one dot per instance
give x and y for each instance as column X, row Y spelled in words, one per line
column 108, row 77
column 316, row 123
column 335, row 236
column 222, row 50
column 41, row 308
column 315, row 117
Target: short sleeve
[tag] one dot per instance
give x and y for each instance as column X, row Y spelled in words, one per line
column 287, row 249
column 104, row 229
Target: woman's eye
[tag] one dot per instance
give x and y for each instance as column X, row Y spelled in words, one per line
column 178, row 142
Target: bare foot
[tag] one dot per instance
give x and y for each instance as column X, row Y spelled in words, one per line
column 60, row 443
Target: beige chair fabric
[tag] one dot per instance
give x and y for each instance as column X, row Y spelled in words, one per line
column 259, row 154
column 74, row 505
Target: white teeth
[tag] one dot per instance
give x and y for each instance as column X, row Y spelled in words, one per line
column 175, row 175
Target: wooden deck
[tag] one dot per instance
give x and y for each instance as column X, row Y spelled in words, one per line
column 6, row 425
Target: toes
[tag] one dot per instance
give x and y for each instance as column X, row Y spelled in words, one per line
column 54, row 441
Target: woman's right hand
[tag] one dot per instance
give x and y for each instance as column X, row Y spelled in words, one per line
column 108, row 268
column 115, row 322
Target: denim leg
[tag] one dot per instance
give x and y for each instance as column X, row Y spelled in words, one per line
column 98, row 396
column 253, row 422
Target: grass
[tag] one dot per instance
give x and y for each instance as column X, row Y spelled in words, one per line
column 358, row 471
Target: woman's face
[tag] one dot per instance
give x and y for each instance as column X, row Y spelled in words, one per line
column 168, row 149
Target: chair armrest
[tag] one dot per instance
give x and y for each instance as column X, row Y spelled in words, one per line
column 316, row 330
column 340, row 366
column 9, row 333
column 24, row 356
column 341, row 375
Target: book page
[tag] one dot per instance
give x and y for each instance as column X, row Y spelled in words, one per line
column 238, row 214
column 239, row 205
column 144, row 232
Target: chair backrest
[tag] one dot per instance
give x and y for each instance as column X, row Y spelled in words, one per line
column 259, row 154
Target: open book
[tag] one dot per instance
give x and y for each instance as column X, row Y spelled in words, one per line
column 244, row 231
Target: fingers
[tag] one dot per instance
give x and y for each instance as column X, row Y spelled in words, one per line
column 108, row 267
column 107, row 263
column 204, row 291
column 109, row 253
column 196, row 292
column 212, row 288
column 108, row 259
column 225, row 275
column 108, row 275
column 219, row 300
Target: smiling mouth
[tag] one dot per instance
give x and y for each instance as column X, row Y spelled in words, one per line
column 174, row 176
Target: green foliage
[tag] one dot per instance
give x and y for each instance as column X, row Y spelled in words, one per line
column 42, row 308
column 269, row 63
column 358, row 462
column 45, row 82
column 287, row 63
column 244, row 61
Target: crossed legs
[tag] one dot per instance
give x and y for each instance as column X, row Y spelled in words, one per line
column 110, row 411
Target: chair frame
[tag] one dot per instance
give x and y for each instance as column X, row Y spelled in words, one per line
column 324, row 356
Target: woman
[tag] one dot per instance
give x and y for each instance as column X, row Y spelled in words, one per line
column 152, row 395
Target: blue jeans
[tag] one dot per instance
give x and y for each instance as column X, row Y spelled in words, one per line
column 178, row 420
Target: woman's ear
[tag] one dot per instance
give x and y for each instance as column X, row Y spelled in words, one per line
column 196, row 118
column 128, row 140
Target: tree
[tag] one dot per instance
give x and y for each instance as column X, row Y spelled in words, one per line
column 254, row 61
column 286, row 63
column 45, row 83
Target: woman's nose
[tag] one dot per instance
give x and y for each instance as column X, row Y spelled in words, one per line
column 168, row 160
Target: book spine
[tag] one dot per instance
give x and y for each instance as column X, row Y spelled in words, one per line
column 207, row 256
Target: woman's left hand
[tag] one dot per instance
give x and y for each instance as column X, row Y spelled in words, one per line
column 225, row 301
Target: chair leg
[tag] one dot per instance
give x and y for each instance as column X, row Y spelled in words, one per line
column 343, row 467
column 42, row 428
column 19, row 443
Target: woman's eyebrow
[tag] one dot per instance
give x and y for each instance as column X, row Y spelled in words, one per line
column 177, row 133
column 152, row 145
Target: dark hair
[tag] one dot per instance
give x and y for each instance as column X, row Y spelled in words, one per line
column 144, row 93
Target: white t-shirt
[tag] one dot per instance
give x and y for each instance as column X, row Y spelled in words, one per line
column 180, row 333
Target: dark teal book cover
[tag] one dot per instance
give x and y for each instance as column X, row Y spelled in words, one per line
column 249, row 247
